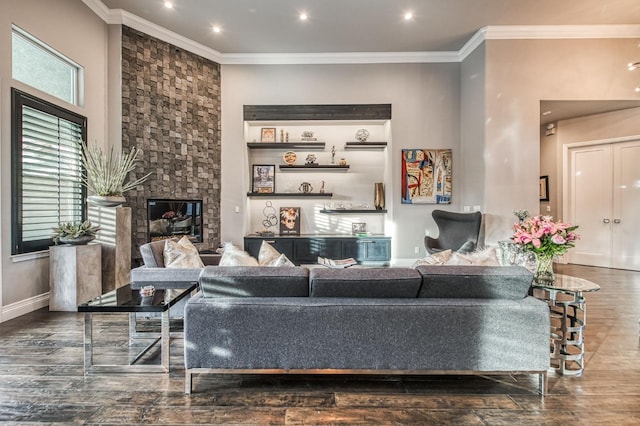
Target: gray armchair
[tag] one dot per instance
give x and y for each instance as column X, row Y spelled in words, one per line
column 457, row 231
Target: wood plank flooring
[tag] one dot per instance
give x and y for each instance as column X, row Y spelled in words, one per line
column 42, row 381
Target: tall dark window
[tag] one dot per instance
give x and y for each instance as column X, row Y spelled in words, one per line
column 46, row 171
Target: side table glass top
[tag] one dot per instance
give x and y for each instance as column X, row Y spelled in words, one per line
column 567, row 283
column 125, row 299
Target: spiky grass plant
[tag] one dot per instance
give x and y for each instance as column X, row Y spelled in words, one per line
column 73, row 230
column 106, row 173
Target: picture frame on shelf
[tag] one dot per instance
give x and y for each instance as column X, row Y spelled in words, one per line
column 268, row 134
column 544, row 188
column 289, row 220
column 263, row 178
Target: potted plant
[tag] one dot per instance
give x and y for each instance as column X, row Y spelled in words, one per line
column 106, row 174
column 76, row 233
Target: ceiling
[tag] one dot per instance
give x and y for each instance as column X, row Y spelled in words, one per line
column 352, row 27
column 272, row 26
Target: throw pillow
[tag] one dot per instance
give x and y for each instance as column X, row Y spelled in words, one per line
column 281, row 260
column 234, row 256
column 439, row 258
column 484, row 257
column 181, row 254
column 269, row 256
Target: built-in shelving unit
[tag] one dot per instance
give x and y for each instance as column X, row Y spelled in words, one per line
column 346, row 168
column 320, row 167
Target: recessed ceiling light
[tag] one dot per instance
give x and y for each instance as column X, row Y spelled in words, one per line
column 408, row 16
column 217, row 29
column 303, row 16
column 168, row 5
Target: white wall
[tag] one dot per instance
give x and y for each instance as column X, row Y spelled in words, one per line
column 520, row 73
column 425, row 102
column 74, row 30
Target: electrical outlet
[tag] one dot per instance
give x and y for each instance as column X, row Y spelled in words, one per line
column 237, row 209
column 417, row 249
column 548, row 209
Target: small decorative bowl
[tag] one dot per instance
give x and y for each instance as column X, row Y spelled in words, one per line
column 147, row 291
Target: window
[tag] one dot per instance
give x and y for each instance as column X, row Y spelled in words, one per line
column 36, row 64
column 46, row 170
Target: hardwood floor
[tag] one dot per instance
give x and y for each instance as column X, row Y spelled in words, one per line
column 42, row 381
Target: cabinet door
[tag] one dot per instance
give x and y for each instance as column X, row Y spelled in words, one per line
column 307, row 250
column 367, row 249
column 375, row 249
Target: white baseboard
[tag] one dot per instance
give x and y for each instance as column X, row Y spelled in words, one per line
column 25, row 306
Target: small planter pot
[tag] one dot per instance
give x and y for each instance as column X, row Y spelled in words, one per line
column 108, row 201
column 78, row 241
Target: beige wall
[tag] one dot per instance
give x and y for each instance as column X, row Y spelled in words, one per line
column 520, row 73
column 74, row 30
column 425, row 102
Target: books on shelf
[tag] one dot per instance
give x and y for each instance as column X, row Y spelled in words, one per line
column 337, row 264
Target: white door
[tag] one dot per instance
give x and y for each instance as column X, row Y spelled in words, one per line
column 626, row 207
column 604, row 200
column 590, row 204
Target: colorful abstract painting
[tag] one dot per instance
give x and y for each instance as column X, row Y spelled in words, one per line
column 426, row 176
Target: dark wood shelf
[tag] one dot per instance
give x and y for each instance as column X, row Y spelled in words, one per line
column 305, row 146
column 290, row 194
column 352, row 211
column 320, row 167
column 352, row 146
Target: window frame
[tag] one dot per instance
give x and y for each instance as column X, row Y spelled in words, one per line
column 18, row 100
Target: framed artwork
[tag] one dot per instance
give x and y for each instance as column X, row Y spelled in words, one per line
column 263, row 178
column 289, row 220
column 544, row 188
column 426, row 176
column 268, row 134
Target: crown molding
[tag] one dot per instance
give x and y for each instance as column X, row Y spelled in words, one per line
column 98, row 8
column 522, row 32
column 502, row 32
column 337, row 58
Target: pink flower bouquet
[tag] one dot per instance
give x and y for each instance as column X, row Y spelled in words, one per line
column 542, row 235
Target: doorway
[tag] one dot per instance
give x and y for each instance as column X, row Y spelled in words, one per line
column 603, row 197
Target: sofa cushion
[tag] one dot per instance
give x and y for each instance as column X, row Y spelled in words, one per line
column 475, row 282
column 365, row 282
column 254, row 281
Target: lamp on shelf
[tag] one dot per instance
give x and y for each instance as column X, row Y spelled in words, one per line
column 632, row 66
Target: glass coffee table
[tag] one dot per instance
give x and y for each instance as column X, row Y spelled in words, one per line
column 568, row 310
column 126, row 300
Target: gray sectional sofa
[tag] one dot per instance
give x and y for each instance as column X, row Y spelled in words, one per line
column 429, row 320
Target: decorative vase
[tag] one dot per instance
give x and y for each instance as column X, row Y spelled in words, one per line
column 378, row 196
column 78, row 241
column 544, row 268
column 106, row 201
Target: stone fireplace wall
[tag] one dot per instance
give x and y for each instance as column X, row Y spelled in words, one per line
column 171, row 110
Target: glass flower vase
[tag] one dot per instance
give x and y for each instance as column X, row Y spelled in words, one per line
column 544, row 268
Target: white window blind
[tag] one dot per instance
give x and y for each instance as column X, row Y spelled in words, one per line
column 48, row 175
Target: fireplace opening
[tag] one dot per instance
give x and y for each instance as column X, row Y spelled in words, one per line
column 174, row 218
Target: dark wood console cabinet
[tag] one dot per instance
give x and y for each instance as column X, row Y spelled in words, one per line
column 306, row 249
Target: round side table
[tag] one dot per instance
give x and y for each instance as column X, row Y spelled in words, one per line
column 568, row 310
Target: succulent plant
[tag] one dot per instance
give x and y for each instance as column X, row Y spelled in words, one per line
column 73, row 230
